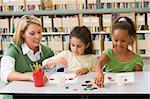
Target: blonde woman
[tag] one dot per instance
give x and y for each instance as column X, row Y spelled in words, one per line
column 24, row 51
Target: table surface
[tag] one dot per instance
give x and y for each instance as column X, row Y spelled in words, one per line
column 139, row 86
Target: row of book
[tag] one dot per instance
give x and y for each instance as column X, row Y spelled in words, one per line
column 56, row 43
column 95, row 23
column 143, row 44
column 59, row 43
column 30, row 5
column 125, row 4
column 56, row 24
column 20, row 5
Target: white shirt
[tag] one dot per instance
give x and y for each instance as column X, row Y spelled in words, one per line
column 75, row 62
column 8, row 62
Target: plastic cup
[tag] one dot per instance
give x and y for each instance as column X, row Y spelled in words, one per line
column 38, row 78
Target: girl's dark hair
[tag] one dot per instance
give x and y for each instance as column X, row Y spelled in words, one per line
column 129, row 20
column 125, row 26
column 84, row 34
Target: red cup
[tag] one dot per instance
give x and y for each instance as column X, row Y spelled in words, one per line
column 38, row 78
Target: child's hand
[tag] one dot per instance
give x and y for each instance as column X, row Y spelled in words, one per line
column 82, row 71
column 63, row 62
column 48, row 64
column 99, row 81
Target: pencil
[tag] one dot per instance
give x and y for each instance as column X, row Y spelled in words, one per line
column 31, row 67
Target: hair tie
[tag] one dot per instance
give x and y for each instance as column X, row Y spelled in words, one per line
column 122, row 19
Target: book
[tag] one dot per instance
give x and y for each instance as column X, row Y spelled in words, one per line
column 47, row 23
column 4, row 25
column 107, row 22
column 140, row 20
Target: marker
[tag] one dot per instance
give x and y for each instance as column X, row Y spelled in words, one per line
column 36, row 67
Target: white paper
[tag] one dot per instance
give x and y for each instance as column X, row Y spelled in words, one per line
column 59, row 75
column 128, row 77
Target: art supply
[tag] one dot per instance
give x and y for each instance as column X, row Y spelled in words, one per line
column 89, row 85
column 38, row 78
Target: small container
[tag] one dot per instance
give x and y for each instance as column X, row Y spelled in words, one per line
column 38, row 78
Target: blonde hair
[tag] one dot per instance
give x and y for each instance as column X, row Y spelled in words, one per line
column 24, row 22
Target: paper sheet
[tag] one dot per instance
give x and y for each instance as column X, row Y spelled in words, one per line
column 68, row 77
column 112, row 77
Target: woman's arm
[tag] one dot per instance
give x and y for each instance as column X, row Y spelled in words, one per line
column 20, row 76
column 8, row 72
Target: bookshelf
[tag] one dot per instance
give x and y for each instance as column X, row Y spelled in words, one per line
column 99, row 43
column 143, row 46
column 97, row 15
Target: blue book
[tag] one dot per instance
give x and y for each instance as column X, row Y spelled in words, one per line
column 136, row 4
column 11, row 8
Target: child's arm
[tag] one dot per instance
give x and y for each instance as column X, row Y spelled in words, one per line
column 59, row 59
column 139, row 63
column 49, row 63
column 138, row 68
column 99, row 81
column 52, row 62
column 101, row 62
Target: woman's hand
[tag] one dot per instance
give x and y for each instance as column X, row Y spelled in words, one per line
column 45, row 79
column 28, row 76
column 82, row 71
column 99, row 81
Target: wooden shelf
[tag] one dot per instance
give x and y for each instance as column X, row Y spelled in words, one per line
column 66, row 33
column 74, row 12
column 55, row 33
column 143, row 31
column 145, row 56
